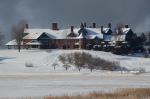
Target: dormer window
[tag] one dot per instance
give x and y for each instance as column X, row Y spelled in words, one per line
column 72, row 35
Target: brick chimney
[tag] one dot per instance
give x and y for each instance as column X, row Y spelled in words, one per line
column 102, row 29
column 54, row 26
column 126, row 26
column 26, row 26
column 94, row 25
column 109, row 25
column 72, row 29
column 82, row 25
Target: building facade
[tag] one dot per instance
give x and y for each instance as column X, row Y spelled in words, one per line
column 71, row 38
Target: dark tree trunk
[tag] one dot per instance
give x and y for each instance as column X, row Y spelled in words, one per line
column 66, row 68
column 54, row 67
column 91, row 69
column 19, row 48
column 79, row 69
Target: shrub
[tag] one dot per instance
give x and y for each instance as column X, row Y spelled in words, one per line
column 48, row 50
column 81, row 60
column 29, row 64
column 105, row 65
column 66, row 59
column 66, row 66
column 54, row 65
column 85, row 60
column 139, row 70
column 146, row 54
column 142, row 70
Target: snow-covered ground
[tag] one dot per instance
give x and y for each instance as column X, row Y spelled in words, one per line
column 17, row 80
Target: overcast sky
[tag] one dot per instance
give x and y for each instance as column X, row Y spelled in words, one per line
column 41, row 13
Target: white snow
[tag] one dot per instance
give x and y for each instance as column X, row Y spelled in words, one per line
column 17, row 80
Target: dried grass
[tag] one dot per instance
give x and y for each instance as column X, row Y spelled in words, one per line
column 138, row 93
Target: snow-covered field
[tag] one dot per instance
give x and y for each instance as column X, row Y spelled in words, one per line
column 17, row 80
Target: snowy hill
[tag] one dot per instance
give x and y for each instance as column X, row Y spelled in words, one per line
column 13, row 62
column 17, row 80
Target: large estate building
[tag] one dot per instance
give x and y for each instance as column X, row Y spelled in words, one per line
column 70, row 38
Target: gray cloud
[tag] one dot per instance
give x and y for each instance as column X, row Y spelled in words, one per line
column 40, row 13
column 144, row 25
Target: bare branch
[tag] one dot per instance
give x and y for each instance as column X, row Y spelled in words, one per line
column 17, row 32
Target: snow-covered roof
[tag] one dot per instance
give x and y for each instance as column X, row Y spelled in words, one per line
column 126, row 30
column 33, row 36
column 80, row 36
column 94, row 32
column 62, row 34
column 54, row 34
column 106, row 30
column 12, row 42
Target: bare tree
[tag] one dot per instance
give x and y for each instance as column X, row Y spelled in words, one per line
column 1, row 38
column 78, row 61
column 54, row 65
column 66, row 59
column 17, row 33
column 62, row 58
column 93, row 63
column 66, row 66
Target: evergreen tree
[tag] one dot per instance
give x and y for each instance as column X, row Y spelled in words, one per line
column 143, row 38
column 1, row 38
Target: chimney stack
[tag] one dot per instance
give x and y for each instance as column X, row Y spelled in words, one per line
column 26, row 26
column 72, row 29
column 126, row 26
column 109, row 25
column 94, row 25
column 54, row 26
column 84, row 24
column 102, row 31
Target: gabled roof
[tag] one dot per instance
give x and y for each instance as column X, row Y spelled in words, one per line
column 33, row 36
column 12, row 42
column 36, row 35
column 63, row 34
column 126, row 30
column 80, row 36
column 94, row 32
column 106, row 30
column 54, row 34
